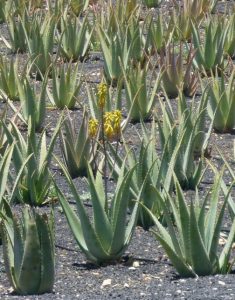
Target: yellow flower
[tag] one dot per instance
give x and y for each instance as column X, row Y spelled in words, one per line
column 102, row 94
column 93, row 127
column 117, row 121
column 112, row 124
column 108, row 131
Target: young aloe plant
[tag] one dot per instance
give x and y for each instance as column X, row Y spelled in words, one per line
column 210, row 52
column 192, row 244
column 221, row 106
column 28, row 250
column 107, row 237
column 152, row 170
column 40, row 43
column 188, row 136
column 116, row 52
column 33, row 104
column 9, row 79
column 110, row 17
column 5, row 9
column 75, row 38
column 17, row 27
column 65, row 86
column 138, row 40
column 77, row 147
column 175, row 76
column 126, row 45
column 160, row 33
column 140, row 97
column 35, row 158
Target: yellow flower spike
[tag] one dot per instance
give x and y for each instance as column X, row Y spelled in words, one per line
column 117, row 121
column 108, row 117
column 93, row 127
column 112, row 124
column 108, row 131
column 102, row 94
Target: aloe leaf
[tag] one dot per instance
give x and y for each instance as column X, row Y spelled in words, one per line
column 8, row 254
column 131, row 224
column 200, row 260
column 182, row 268
column 209, row 54
column 184, row 220
column 118, row 218
column 4, row 170
column 223, row 185
column 47, row 254
column 102, row 225
column 216, row 235
column 30, row 271
column 92, row 241
column 73, row 220
column 212, row 214
column 224, row 256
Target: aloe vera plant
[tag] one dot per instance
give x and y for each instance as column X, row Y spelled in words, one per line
column 175, row 76
column 126, row 45
column 189, row 136
column 222, row 102
column 33, row 104
column 28, row 250
column 192, row 244
column 40, row 43
column 180, row 22
column 17, row 28
column 140, row 97
column 160, row 33
column 34, row 157
column 138, row 40
column 210, row 52
column 5, row 8
column 77, row 147
column 151, row 170
column 65, row 86
column 9, row 79
column 75, row 38
column 106, row 237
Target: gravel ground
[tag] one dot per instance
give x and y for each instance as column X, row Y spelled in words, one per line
column 144, row 272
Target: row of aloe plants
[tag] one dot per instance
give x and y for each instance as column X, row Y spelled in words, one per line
column 149, row 183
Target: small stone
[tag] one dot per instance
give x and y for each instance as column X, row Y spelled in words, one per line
column 136, row 264
column 221, row 282
column 106, row 282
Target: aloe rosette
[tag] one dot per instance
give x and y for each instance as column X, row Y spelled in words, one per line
column 106, row 237
column 192, row 244
column 28, row 249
